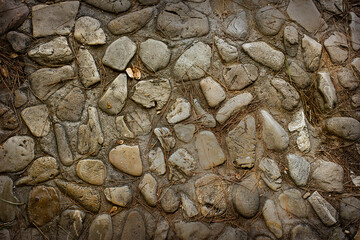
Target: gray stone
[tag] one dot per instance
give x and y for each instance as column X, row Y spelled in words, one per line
column 18, row 41
column 344, row 127
column 241, row 143
column 130, row 22
column 233, row 234
column 127, row 159
column 152, row 93
column 188, row 207
column 16, row 153
column 270, row 173
column 114, row 6
column 8, row 211
column 213, row 92
column 88, row 31
column 165, row 137
column 87, row 197
column 124, row 130
column 20, row 98
column 356, row 64
column 334, row 6
column 236, row 26
column 327, row 176
column 272, row 218
column 179, row 111
column 71, row 221
column 148, row 187
column 162, row 228
column 138, row 121
column 355, row 31
column 119, row 53
column 113, row 100
column 91, row 171
column 327, row 213
column 52, row 53
column 88, row 72
column 43, row 205
column 120, row 196
column 240, row 76
column 149, row 2
column 178, row 21
column 305, row 13
column 350, row 208
column 101, row 228
column 327, row 90
column 290, row 97
column 157, row 161
column 337, row 234
column 181, row 163
column 299, row 124
column 71, row 106
column 269, row 20
column 154, row 54
column 55, row 19
column 41, row 170
column 170, row 201
column 355, row 100
column 205, row 118
column 301, row 231
column 312, row 52
column 37, row 120
column 337, row 47
column 134, row 227
column 46, row 81
column 209, row 151
column 185, row 132
column 232, row 106
column 299, row 169
column 292, row 202
column 300, row 77
column 90, row 136
column 12, row 15
column 347, row 79
column 192, row 230
column 291, row 40
column 274, row 135
column 227, row 52
column 265, row 54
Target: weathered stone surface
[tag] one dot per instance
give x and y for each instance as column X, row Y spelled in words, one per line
column 138, row 121
column 337, row 47
column 37, row 120
column 327, row 213
column 299, row 169
column 269, row 20
column 88, row 31
column 101, row 228
column 350, row 208
column 170, row 201
column 154, row 54
column 291, row 201
column 355, row 31
column 90, row 136
column 344, row 127
column 119, row 53
column 52, row 53
column 334, row 6
column 290, row 97
column 9, row 120
column 213, row 92
column 72, row 222
column 306, row 14
column 179, row 111
column 300, row 77
column 88, row 72
column 149, row 2
column 134, row 227
column 184, row 132
column 148, row 188
column 114, row 6
column 327, row 90
column 356, row 64
column 157, row 161
column 193, row 62
column 19, row 41
column 7, row 211
column 337, row 233
column 274, row 135
column 301, row 231
column 205, row 118
column 265, row 54
column 162, row 228
column 178, row 21
column 43, row 205
column 165, row 137
column 72, row 105
column 355, row 100
column 127, row 159
column 188, row 206
column 241, row 143
column 122, row 127
column 181, row 163
column 271, row 218
column 91, row 171
column 312, row 53
column 130, row 22
column 152, row 93
column 240, row 76
column 88, row 198
column 120, row 196
column 192, row 230
column 113, row 100
column 270, row 173
column 327, row 176
column 299, row 124
column 347, row 79
column 209, row 151
column 234, row 234
column 46, row 81
column 12, row 15
column 291, row 40
column 41, row 170
column 232, row 106
column 227, row 52
column 55, row 19
column 20, row 98
column 16, row 153
column 236, row 26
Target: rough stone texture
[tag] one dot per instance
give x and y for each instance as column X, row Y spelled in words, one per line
column 37, row 120
column 154, row 54
column 291, row 40
column 356, row 64
column 188, row 206
column 344, row 127
column 299, row 125
column 179, row 111
column 43, row 205
column 240, row 76
column 350, row 208
column 327, row 90
column 236, row 26
column 71, row 106
column 178, row 21
column 113, row 100
column 114, row 6
column 334, row 6
column 290, row 97
column 157, row 161
column 181, row 163
column 326, row 212
column 269, row 20
column 91, row 171
column 122, row 127
column 355, row 100
column 347, row 79
column 205, row 118
column 227, row 52
column 7, row 211
column 134, row 227
column 265, row 54
column 12, row 15
column 130, row 22
column 55, row 19
column 312, row 53
column 355, row 31
column 165, row 137
column 120, row 196
column 72, row 222
column 170, row 201
column 291, row 201
column 232, row 106
column 241, row 143
column 88, row 31
column 301, row 231
column 327, row 176
column 184, row 132
column 101, row 228
column 233, row 234
column 213, row 92
column 299, row 169
column 162, row 228
column 270, row 173
column 192, row 230
column 274, row 135
column 20, row 98
column 19, row 41
column 119, row 53
column 88, row 72
column 148, row 188
column 127, row 159
column 139, row 122
column 149, row 2
column 271, row 218
column 337, row 47
column 300, row 77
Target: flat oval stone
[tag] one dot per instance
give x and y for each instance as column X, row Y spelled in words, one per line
column 91, row 171
column 121, row 196
column 154, row 54
column 101, row 228
column 246, row 198
column 170, row 201
column 212, row 91
column 344, row 127
column 232, row 106
column 269, row 20
column 127, row 159
column 134, row 227
column 119, row 53
column 148, row 188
